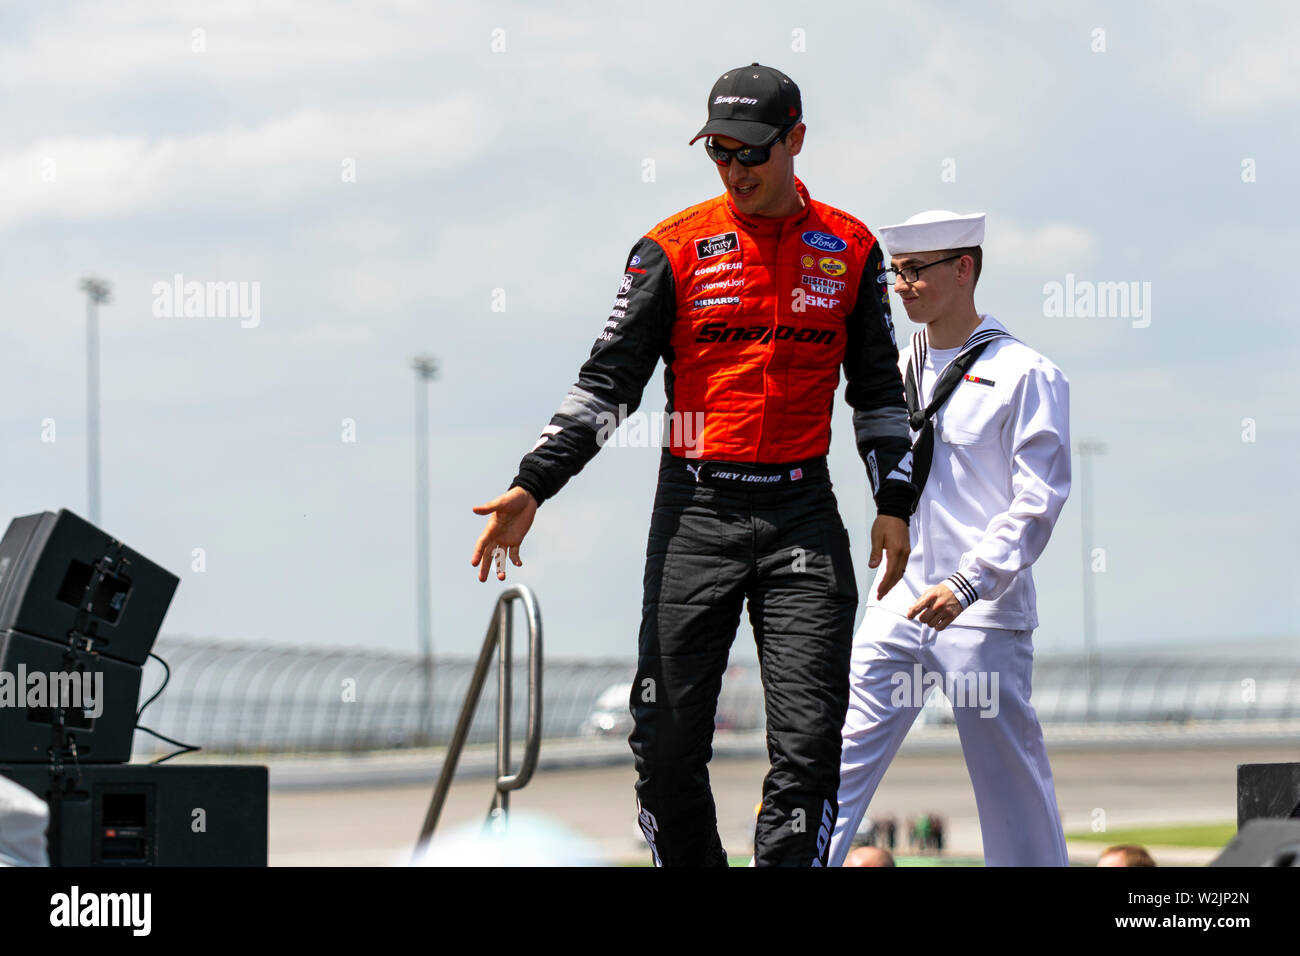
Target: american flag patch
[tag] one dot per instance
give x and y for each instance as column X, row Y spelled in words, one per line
column 796, row 474
column 979, row 381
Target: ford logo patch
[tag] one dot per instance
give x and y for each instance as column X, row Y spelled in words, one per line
column 825, row 241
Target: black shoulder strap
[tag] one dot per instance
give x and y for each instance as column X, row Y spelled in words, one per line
column 922, row 420
column 914, row 414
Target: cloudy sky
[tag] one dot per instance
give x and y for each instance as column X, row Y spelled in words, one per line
column 387, row 172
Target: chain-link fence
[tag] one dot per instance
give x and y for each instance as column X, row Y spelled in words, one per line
column 239, row 698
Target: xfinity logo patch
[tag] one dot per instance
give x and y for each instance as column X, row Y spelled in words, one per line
column 824, row 241
column 717, row 245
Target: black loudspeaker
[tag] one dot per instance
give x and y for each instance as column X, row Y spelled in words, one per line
column 1267, row 790
column 98, row 695
column 1263, row 843
column 145, row 815
column 59, row 574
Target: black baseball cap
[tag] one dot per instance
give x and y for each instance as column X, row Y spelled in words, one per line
column 752, row 104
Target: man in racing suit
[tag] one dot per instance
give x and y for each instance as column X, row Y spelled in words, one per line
column 754, row 300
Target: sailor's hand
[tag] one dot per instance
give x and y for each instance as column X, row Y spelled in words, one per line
column 937, row 607
column 889, row 534
column 512, row 516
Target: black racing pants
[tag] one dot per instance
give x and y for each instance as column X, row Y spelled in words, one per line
column 714, row 543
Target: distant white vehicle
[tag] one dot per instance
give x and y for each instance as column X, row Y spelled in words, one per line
column 740, row 707
column 610, row 715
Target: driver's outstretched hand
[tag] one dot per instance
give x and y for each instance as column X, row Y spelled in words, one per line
column 512, row 516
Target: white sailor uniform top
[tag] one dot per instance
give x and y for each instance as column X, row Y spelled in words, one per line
column 999, row 477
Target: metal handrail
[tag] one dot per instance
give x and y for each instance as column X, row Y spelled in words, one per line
column 498, row 638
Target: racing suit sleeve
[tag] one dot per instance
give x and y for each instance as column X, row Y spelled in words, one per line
column 612, row 379
column 1040, row 483
column 875, row 392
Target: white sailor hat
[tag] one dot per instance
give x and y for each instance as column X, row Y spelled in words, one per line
column 934, row 230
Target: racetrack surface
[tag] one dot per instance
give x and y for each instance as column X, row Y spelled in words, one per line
column 1123, row 788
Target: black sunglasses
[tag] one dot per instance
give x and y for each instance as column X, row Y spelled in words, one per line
column 746, row 155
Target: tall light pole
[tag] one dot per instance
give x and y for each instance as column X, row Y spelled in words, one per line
column 426, row 370
column 97, row 293
column 1086, row 450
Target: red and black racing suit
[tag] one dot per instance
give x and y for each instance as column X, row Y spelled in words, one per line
column 753, row 318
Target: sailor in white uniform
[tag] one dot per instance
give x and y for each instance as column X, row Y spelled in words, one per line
column 991, row 415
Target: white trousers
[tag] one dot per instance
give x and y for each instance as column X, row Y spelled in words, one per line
column 990, row 670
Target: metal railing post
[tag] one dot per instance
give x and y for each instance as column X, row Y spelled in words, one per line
column 501, row 798
column 498, row 638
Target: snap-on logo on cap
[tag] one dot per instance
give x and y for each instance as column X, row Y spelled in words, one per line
column 824, row 241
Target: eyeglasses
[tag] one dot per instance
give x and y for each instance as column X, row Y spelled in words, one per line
column 745, row 155
column 910, row 274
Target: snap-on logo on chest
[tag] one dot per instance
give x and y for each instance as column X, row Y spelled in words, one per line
column 722, row 331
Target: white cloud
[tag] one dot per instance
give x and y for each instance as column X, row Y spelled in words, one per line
column 272, row 163
column 1255, row 78
column 1230, row 68
column 1046, row 249
column 247, row 44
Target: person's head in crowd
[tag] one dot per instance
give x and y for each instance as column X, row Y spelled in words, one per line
column 1125, row 854
column 866, row 855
